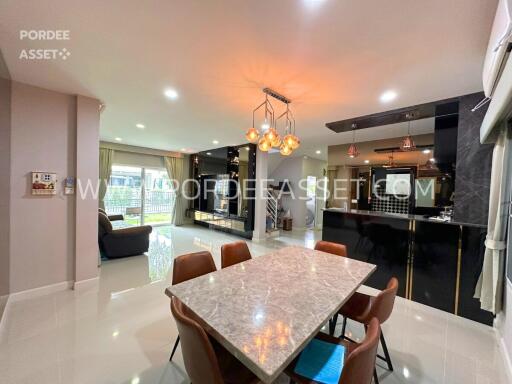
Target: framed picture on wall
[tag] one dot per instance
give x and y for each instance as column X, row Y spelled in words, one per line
column 44, row 183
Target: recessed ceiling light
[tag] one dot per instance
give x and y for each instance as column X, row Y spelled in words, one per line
column 171, row 93
column 247, row 148
column 367, row 161
column 118, row 139
column 318, row 152
column 215, row 142
column 426, row 151
column 432, row 160
column 141, row 126
column 209, row 153
column 388, row 96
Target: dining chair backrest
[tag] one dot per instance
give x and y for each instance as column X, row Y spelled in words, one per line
column 330, row 247
column 192, row 265
column 360, row 363
column 234, row 253
column 383, row 303
column 198, row 354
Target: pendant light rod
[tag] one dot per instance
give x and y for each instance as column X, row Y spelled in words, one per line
column 276, row 95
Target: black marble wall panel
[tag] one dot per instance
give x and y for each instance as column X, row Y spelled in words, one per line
column 473, row 169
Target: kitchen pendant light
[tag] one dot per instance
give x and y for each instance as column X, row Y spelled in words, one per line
column 353, row 152
column 407, row 143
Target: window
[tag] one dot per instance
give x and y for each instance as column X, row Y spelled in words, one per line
column 148, row 202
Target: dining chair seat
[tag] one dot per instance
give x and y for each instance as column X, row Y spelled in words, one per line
column 205, row 360
column 359, row 358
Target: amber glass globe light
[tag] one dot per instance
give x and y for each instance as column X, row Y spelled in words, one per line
column 264, row 145
column 285, row 150
column 288, row 140
column 296, row 142
column 252, row 135
column 276, row 142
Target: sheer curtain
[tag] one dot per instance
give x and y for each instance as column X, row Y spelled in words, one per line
column 174, row 167
column 489, row 288
column 106, row 156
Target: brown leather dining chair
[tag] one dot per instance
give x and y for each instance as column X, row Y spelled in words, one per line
column 359, row 364
column 206, row 361
column 362, row 308
column 234, row 253
column 329, row 247
column 187, row 267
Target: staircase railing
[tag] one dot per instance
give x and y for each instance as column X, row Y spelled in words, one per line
column 272, row 208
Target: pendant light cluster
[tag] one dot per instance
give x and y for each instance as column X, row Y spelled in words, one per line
column 407, row 144
column 269, row 137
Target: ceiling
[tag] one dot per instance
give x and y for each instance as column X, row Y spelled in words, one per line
column 333, row 58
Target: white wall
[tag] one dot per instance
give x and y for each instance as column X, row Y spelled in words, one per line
column 46, row 245
column 5, row 172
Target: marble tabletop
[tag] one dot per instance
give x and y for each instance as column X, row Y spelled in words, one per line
column 265, row 310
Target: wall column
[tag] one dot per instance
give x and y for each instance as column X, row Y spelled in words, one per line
column 87, row 173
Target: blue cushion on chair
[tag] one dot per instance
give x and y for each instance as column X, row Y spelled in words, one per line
column 321, row 361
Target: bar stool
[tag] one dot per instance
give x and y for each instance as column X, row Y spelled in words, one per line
column 362, row 308
column 359, row 364
column 234, row 253
column 187, row 267
column 206, row 361
column 329, row 247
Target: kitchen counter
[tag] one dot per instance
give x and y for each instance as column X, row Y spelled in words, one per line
column 437, row 263
column 402, row 216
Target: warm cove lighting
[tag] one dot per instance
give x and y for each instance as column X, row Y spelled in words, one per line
column 388, row 96
column 171, row 93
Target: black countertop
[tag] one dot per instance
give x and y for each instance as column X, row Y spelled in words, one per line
column 401, row 216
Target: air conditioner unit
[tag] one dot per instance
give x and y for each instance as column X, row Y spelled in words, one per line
column 499, row 47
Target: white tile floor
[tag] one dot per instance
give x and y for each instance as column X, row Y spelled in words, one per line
column 123, row 332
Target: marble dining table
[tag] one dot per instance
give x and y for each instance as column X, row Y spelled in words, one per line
column 265, row 310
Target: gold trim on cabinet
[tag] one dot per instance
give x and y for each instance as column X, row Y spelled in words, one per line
column 457, row 279
column 411, row 258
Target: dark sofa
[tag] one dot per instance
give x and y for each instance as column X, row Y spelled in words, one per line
column 121, row 242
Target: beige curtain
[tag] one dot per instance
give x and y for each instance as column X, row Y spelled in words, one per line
column 489, row 288
column 106, row 156
column 174, row 168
